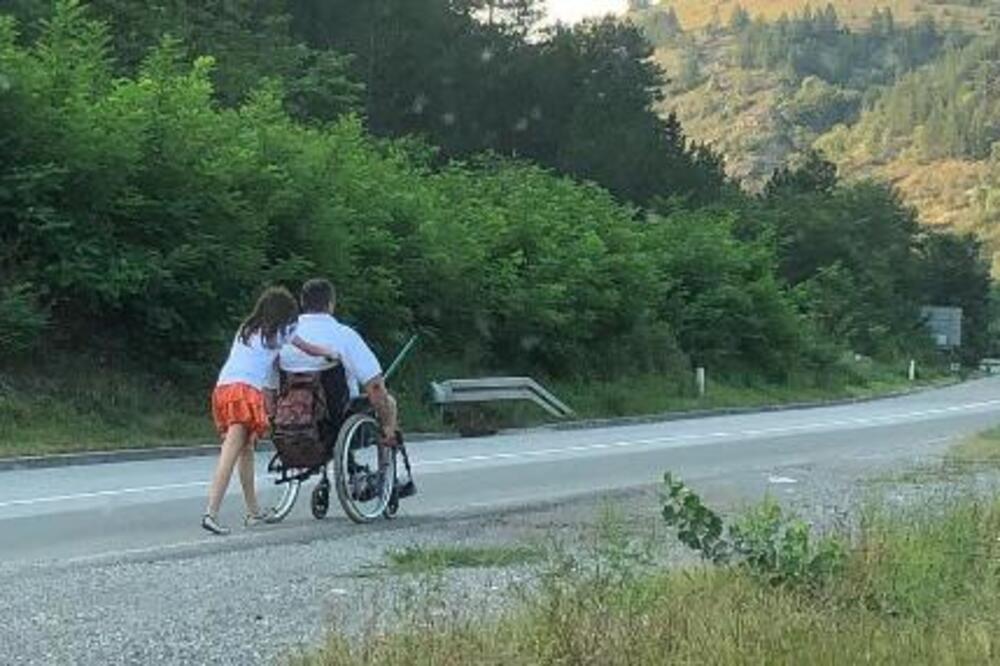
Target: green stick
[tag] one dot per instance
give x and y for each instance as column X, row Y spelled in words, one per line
column 400, row 356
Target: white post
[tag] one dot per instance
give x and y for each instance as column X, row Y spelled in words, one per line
column 913, row 370
column 699, row 380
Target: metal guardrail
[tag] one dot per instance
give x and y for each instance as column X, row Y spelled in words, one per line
column 492, row 389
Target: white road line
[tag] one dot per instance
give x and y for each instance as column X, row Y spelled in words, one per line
column 583, row 448
column 98, row 557
column 102, row 493
column 119, row 553
column 782, row 430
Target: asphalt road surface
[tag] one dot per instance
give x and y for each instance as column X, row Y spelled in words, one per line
column 107, row 563
column 144, row 509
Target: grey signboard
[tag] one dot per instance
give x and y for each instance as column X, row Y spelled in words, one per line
column 944, row 324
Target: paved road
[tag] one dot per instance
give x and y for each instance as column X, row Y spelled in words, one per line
column 150, row 510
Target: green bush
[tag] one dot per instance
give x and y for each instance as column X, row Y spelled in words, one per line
column 22, row 322
column 721, row 294
column 146, row 217
column 819, row 105
column 765, row 542
column 141, row 200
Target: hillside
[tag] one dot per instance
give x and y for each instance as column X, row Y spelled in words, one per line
column 908, row 94
column 934, row 133
column 698, row 14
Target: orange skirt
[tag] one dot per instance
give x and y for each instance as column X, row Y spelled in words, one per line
column 239, row 404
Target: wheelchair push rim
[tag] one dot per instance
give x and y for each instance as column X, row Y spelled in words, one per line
column 363, row 469
column 289, row 493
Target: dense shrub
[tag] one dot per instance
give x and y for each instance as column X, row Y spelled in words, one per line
column 137, row 213
column 21, row 320
column 141, row 201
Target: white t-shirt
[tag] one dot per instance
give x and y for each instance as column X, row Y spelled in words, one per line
column 253, row 363
column 360, row 364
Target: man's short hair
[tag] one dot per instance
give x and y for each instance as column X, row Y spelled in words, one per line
column 317, row 295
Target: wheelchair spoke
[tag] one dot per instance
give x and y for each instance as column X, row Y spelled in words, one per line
column 362, row 470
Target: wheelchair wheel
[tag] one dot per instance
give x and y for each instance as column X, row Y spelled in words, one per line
column 392, row 508
column 289, row 494
column 363, row 469
column 320, row 502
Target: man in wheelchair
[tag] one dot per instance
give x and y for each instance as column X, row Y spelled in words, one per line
column 334, row 417
column 356, row 370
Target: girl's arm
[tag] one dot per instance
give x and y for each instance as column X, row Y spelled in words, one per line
column 314, row 350
column 271, row 390
column 270, row 401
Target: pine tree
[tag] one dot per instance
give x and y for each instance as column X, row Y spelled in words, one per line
column 739, row 20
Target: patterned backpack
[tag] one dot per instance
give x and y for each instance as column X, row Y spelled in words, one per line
column 298, row 421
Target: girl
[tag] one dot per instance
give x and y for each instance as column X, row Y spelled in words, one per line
column 243, row 393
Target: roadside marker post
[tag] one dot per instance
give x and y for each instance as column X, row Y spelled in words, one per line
column 699, row 380
column 913, row 370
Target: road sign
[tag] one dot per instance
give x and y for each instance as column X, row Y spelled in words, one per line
column 944, row 325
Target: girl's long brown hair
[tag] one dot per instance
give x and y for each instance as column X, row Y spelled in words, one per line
column 275, row 311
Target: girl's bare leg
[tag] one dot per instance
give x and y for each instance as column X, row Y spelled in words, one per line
column 247, row 480
column 232, row 445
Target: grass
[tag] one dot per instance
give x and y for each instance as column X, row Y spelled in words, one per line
column 74, row 404
column 979, row 450
column 431, row 559
column 654, row 394
column 658, row 394
column 78, row 404
column 917, row 587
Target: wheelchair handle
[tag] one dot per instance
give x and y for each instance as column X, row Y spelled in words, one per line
column 400, row 356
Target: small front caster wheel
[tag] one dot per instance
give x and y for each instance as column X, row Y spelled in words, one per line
column 320, row 503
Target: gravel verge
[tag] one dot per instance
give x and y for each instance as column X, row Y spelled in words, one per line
column 261, row 605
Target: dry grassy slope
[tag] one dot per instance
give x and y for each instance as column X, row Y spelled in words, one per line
column 736, row 111
column 700, row 13
column 739, row 117
column 944, row 192
column 740, row 113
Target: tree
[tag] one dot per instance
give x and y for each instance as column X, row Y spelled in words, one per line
column 138, row 216
column 814, row 174
column 819, row 105
column 828, row 21
column 714, row 26
column 956, row 273
column 613, row 133
column 690, row 75
column 321, row 90
column 721, row 294
column 249, row 40
column 882, row 22
column 739, row 20
column 658, row 24
column 580, row 99
column 852, row 250
column 519, row 16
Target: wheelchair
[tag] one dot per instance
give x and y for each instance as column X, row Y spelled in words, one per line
column 348, row 454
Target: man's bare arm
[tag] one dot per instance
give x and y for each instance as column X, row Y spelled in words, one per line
column 314, row 350
column 385, row 406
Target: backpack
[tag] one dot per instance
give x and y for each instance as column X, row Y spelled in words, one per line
column 299, row 416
